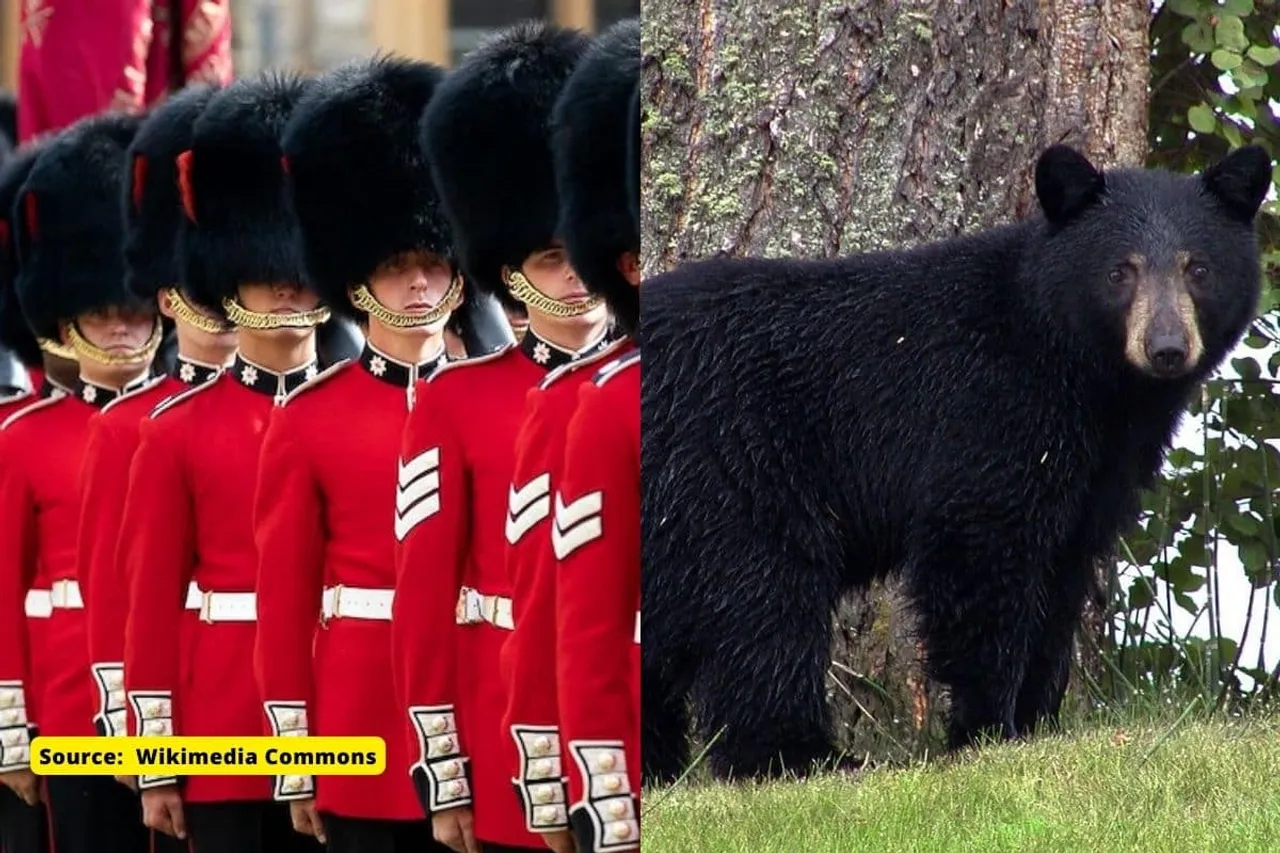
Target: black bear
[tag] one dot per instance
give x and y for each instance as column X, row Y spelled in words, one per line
column 975, row 416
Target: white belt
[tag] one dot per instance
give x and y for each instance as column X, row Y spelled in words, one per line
column 474, row 607
column 65, row 595
column 39, row 604
column 353, row 602
column 226, row 606
column 636, row 638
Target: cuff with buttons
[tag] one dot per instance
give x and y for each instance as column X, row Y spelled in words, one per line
column 15, row 736
column 153, row 711
column 289, row 719
column 441, row 763
column 110, row 717
column 541, row 784
column 606, row 820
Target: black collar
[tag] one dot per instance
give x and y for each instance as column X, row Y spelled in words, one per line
column 191, row 372
column 278, row 385
column 99, row 395
column 549, row 356
column 393, row 372
column 52, row 387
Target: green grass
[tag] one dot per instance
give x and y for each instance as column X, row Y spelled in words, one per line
column 1148, row 788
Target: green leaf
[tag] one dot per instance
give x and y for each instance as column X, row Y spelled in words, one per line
column 1229, row 33
column 1198, row 35
column 1188, row 604
column 1232, row 133
column 1254, row 558
column 1202, row 119
column 1225, row 60
column 1237, row 7
column 1244, row 522
column 1188, row 8
column 1141, row 594
column 1247, row 367
column 1250, row 74
column 1268, row 55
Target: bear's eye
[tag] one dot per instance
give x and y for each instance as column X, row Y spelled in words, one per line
column 1198, row 271
column 1116, row 275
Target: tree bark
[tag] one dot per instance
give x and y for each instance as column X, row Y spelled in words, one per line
column 822, row 128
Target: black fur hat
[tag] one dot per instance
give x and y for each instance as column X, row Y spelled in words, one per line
column 70, row 225
column 633, row 157
column 15, row 334
column 9, row 118
column 361, row 186
column 239, row 226
column 590, row 125
column 487, row 135
column 152, row 207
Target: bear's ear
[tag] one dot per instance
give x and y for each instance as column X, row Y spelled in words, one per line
column 1240, row 181
column 1066, row 183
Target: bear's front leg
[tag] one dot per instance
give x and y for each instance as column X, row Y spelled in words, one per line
column 1049, row 668
column 664, row 720
column 975, row 599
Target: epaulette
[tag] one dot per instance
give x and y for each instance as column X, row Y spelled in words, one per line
column 133, row 392
column 451, row 366
column 615, row 367
column 574, row 366
column 168, row 403
column 328, row 373
column 38, row 405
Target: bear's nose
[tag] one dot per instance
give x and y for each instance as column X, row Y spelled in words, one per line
column 1168, row 354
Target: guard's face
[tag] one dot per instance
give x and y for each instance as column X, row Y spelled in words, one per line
column 412, row 283
column 118, row 331
column 551, row 273
column 281, row 298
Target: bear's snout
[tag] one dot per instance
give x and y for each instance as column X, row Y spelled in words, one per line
column 1167, row 354
column 1162, row 331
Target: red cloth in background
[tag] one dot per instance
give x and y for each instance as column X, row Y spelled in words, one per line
column 80, row 57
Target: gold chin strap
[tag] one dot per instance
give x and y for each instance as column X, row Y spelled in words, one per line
column 142, row 355
column 186, row 312
column 246, row 319
column 58, row 350
column 522, row 289
column 365, row 301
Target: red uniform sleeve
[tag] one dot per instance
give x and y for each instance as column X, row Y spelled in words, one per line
column 432, row 528
column 17, row 571
column 289, row 532
column 79, row 58
column 158, row 552
column 206, row 41
column 531, row 715
column 596, row 538
column 104, row 483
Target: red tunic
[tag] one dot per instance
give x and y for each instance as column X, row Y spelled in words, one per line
column 189, row 518
column 43, row 649
column 596, row 538
column 528, row 658
column 324, row 524
column 204, row 27
column 452, row 601
column 104, row 482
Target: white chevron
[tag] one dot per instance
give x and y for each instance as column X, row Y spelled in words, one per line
column 407, row 496
column 417, row 514
column 427, row 460
column 576, row 523
column 527, row 506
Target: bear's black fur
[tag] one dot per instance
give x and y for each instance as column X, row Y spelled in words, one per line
column 975, row 416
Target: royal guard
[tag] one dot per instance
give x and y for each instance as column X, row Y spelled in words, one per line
column 189, row 509
column 378, row 248
column 595, row 532
column 485, row 133
column 51, row 366
column 71, row 288
column 23, row 828
column 528, row 659
column 205, row 345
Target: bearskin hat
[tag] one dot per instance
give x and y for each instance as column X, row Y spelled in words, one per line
column 238, row 226
column 152, row 207
column 70, row 226
column 633, row 157
column 590, row 124
column 360, row 184
column 9, row 118
column 486, row 133
column 15, row 334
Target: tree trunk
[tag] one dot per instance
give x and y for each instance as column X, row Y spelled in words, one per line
column 781, row 128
